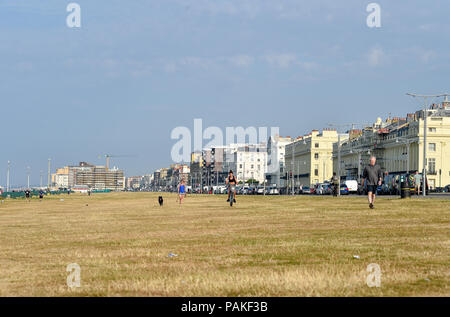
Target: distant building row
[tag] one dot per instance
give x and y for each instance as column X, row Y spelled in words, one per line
column 85, row 174
column 398, row 144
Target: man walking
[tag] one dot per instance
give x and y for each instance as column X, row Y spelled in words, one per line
column 335, row 182
column 417, row 182
column 27, row 195
column 372, row 179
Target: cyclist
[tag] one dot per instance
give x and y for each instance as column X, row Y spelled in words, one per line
column 231, row 182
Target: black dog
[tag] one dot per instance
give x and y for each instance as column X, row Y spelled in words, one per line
column 160, row 200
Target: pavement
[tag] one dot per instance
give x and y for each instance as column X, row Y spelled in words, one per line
column 429, row 196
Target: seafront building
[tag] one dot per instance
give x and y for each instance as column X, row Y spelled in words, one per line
column 95, row 177
column 398, row 144
column 309, row 158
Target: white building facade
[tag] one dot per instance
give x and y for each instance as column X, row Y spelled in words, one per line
column 276, row 149
column 250, row 162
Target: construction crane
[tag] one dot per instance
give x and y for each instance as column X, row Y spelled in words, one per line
column 109, row 156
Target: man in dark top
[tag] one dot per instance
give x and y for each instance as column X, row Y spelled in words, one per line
column 372, row 178
column 27, row 194
column 335, row 182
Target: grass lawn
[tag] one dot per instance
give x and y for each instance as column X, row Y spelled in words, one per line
column 262, row 246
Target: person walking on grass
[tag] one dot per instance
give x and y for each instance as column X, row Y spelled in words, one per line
column 417, row 182
column 372, row 179
column 335, row 182
column 181, row 191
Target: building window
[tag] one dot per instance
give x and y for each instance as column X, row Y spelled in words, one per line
column 432, row 165
column 432, row 147
column 240, row 165
column 252, row 166
column 431, row 129
column 316, row 172
column 316, row 145
column 316, row 156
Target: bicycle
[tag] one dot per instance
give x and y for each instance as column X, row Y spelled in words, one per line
column 231, row 190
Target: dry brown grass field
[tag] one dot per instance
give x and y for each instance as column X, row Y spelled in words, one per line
column 262, row 246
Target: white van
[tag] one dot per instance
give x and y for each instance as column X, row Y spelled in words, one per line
column 352, row 186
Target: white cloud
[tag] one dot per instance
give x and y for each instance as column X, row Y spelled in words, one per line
column 426, row 27
column 201, row 62
column 424, row 55
column 286, row 60
column 241, row 60
column 170, row 67
column 250, row 8
column 376, row 57
column 280, row 60
column 428, row 55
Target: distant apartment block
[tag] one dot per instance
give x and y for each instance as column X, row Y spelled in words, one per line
column 95, row 177
column 250, row 162
column 134, row 182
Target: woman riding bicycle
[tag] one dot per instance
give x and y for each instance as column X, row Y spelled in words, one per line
column 231, row 182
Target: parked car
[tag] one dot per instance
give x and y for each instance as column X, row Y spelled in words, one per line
column 328, row 189
column 344, row 189
column 318, row 189
column 260, row 190
column 296, row 191
column 323, row 189
column 447, row 189
column 307, row 190
column 352, row 186
column 438, row 190
column 272, row 190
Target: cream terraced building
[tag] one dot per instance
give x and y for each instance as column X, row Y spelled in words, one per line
column 398, row 144
column 308, row 160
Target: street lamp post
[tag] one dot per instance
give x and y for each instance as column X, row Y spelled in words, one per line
column 28, row 177
column 359, row 167
column 7, row 176
column 339, row 165
column 292, row 168
column 48, row 174
column 339, row 152
column 424, row 169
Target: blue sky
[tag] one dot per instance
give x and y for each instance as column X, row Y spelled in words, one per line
column 135, row 70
